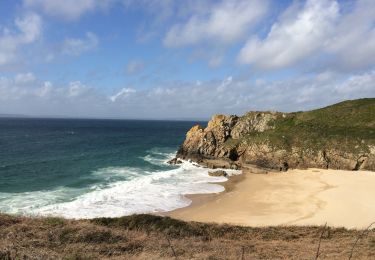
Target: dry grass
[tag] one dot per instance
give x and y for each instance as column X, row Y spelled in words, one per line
column 153, row 237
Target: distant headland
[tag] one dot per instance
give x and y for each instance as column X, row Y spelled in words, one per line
column 340, row 136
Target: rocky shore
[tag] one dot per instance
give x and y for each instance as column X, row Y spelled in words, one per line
column 341, row 136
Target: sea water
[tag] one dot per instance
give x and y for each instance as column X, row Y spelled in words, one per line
column 79, row 168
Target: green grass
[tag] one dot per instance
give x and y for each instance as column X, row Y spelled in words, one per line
column 352, row 113
column 349, row 126
column 53, row 221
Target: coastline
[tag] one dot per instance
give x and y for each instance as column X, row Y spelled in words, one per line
column 200, row 199
column 339, row 198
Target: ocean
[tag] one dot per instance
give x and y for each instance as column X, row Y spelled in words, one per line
column 78, row 168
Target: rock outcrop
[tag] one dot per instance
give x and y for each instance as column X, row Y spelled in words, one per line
column 280, row 141
column 219, row 173
column 175, row 161
column 208, row 141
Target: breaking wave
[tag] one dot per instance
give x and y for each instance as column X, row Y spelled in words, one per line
column 124, row 191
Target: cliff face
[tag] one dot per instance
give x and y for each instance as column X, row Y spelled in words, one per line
column 341, row 136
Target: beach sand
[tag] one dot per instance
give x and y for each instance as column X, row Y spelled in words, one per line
column 297, row 197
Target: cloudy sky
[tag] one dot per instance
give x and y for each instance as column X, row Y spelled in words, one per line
column 182, row 59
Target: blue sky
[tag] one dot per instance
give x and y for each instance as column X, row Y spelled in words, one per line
column 182, row 59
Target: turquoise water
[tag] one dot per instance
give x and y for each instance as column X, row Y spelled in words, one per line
column 92, row 168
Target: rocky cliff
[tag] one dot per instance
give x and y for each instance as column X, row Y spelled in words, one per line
column 341, row 136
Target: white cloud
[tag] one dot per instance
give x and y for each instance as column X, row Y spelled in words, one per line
column 45, row 89
column 44, row 98
column 235, row 96
column 123, row 93
column 77, row 46
column 353, row 42
column 77, row 89
column 295, row 36
column 27, row 29
column 30, row 27
column 363, row 82
column 134, row 67
column 24, row 78
column 183, row 100
column 320, row 33
column 225, row 22
column 66, row 9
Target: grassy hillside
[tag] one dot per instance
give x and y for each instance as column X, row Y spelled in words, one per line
column 349, row 125
column 352, row 113
column 153, row 237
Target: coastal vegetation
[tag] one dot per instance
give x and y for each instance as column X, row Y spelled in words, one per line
column 156, row 237
column 344, row 125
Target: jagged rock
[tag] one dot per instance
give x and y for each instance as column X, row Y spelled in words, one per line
column 255, row 169
column 281, row 141
column 209, row 141
column 175, row 161
column 222, row 163
column 219, row 173
column 253, row 122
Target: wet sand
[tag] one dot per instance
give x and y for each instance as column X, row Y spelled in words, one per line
column 298, row 197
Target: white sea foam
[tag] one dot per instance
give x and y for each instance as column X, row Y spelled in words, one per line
column 158, row 157
column 158, row 192
column 28, row 202
column 140, row 192
column 120, row 172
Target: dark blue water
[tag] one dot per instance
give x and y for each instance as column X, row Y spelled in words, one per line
column 52, row 161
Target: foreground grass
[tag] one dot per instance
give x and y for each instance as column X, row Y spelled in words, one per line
column 153, row 237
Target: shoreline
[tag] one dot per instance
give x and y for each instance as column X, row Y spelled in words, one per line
column 298, row 197
column 203, row 198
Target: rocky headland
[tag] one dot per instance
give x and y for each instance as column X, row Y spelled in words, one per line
column 340, row 136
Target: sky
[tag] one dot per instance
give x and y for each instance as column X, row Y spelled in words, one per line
column 166, row 59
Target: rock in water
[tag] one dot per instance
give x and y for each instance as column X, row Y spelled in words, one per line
column 219, row 173
column 174, row 161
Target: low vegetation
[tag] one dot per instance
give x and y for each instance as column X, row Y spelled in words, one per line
column 155, row 237
column 346, row 126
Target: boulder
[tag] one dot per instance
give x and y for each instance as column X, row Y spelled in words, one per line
column 174, row 161
column 219, row 173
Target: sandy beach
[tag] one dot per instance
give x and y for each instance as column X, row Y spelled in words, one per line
column 297, row 197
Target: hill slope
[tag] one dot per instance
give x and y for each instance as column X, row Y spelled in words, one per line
column 153, row 237
column 340, row 136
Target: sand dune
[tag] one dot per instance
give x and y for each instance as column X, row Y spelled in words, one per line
column 298, row 197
